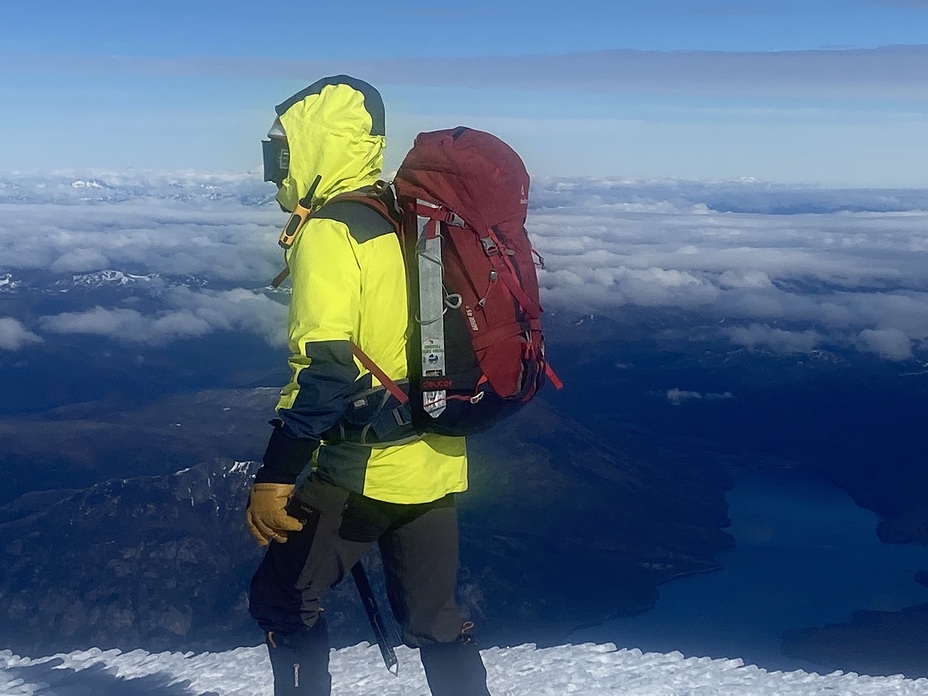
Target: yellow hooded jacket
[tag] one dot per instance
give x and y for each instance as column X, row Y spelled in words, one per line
column 349, row 286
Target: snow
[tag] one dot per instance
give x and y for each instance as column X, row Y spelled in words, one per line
column 110, row 277
column 578, row 670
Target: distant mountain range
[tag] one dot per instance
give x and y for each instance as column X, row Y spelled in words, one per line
column 22, row 282
column 564, row 524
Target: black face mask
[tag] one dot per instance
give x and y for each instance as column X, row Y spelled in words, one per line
column 276, row 160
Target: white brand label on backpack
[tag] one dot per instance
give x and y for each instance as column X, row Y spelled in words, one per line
column 434, row 402
column 433, row 357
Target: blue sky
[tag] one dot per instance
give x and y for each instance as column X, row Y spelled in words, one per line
column 822, row 92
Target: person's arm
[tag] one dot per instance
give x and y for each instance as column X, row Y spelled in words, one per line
column 323, row 321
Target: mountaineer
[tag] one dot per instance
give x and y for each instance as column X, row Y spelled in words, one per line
column 319, row 504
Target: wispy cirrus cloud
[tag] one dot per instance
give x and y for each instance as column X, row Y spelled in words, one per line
column 913, row 4
column 893, row 72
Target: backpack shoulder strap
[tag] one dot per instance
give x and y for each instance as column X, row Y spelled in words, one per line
column 365, row 215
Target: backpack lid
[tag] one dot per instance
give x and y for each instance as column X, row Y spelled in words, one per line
column 473, row 173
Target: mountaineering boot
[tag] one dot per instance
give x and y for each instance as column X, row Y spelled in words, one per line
column 455, row 669
column 300, row 661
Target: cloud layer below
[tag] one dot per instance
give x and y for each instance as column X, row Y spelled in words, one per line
column 841, row 269
column 781, row 269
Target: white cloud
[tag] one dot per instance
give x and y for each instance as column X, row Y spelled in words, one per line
column 14, row 336
column 757, row 336
column 678, row 397
column 750, row 279
column 235, row 309
column 789, row 283
column 780, row 268
column 80, row 259
column 892, row 344
column 123, row 324
column 171, row 225
column 192, row 314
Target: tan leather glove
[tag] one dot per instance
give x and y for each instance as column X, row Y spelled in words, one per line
column 266, row 515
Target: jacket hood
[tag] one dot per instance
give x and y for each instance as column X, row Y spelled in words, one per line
column 335, row 130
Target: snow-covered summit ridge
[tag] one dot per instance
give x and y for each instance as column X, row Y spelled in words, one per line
column 579, row 670
column 8, row 282
column 92, row 183
column 47, row 282
column 110, row 277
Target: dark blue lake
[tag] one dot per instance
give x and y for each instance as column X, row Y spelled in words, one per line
column 805, row 556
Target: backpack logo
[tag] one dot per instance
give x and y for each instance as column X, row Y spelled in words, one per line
column 470, row 319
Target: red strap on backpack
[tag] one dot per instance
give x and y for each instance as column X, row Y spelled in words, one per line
column 507, row 275
column 375, row 370
column 555, row 380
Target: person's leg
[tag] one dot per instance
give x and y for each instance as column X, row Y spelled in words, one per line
column 289, row 584
column 300, row 661
column 455, row 668
column 420, row 557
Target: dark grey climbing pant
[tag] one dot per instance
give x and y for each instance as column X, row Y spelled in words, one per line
column 419, row 547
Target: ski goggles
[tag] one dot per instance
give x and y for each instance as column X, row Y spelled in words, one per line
column 276, row 155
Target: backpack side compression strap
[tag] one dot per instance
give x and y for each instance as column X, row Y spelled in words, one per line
column 375, row 370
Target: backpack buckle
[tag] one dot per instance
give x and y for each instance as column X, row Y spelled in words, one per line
column 452, row 218
column 489, row 246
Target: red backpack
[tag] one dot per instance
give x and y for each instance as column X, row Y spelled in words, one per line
column 477, row 352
